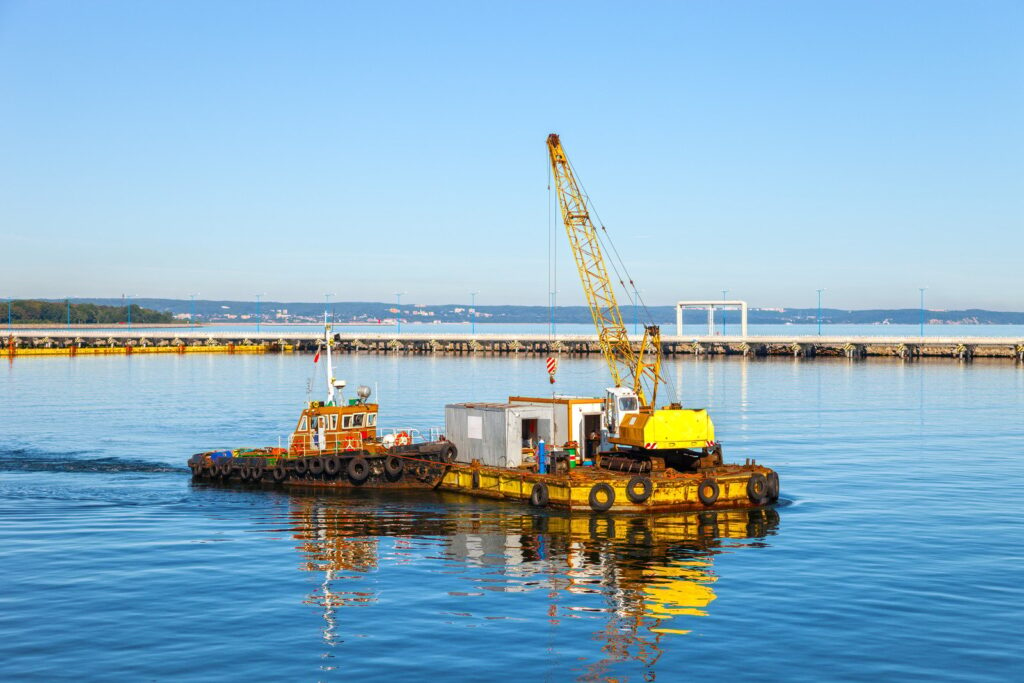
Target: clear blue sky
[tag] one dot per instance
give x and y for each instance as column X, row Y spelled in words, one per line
column 298, row 148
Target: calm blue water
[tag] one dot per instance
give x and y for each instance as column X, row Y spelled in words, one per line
column 897, row 553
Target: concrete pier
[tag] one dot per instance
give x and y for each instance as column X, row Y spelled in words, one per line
column 71, row 342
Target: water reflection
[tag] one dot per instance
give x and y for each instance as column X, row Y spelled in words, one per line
column 632, row 582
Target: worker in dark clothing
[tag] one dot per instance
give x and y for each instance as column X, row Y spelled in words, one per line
column 593, row 444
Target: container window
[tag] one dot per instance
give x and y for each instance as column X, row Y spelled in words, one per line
column 357, row 419
column 371, row 419
column 346, row 422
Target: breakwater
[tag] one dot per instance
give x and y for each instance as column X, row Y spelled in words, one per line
column 86, row 342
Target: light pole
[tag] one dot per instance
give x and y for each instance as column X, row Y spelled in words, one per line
column 921, row 289
column 327, row 305
column 819, row 310
column 472, row 310
column 398, row 305
column 724, row 292
column 129, row 297
column 192, row 310
column 258, row 297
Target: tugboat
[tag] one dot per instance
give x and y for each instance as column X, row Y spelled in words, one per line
column 336, row 443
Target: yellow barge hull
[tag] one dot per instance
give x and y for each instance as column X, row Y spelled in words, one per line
column 728, row 487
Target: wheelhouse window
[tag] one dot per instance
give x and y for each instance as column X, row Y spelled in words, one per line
column 303, row 424
column 334, row 422
column 357, row 419
column 346, row 422
column 321, row 422
column 371, row 419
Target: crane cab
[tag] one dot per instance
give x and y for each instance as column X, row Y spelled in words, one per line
column 619, row 402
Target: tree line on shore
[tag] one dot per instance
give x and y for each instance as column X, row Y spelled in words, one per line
column 33, row 312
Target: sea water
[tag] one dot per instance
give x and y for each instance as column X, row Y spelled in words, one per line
column 896, row 551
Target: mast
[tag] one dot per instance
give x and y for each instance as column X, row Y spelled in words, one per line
column 330, row 367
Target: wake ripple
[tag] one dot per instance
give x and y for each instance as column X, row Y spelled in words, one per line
column 23, row 460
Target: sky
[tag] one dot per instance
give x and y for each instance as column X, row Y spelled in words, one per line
column 294, row 149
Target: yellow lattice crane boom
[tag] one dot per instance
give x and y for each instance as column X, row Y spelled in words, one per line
column 685, row 438
column 623, row 361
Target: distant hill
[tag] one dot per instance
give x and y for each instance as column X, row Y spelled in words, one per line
column 40, row 312
column 369, row 311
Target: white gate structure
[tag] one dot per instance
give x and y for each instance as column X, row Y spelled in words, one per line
column 711, row 305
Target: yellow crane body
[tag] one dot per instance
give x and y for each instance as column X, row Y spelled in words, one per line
column 667, row 428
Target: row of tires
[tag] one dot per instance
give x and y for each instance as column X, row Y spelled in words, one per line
column 761, row 489
column 356, row 469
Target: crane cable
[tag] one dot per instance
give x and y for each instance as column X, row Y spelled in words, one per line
column 605, row 237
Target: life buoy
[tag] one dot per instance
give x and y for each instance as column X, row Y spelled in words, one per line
column 708, row 491
column 358, row 469
column 646, row 488
column 539, row 495
column 332, row 465
column 280, row 473
column 599, row 491
column 316, row 466
column 393, row 467
column 402, row 439
column 773, row 486
column 301, row 467
column 757, row 488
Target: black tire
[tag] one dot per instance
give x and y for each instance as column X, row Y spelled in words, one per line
column 595, row 497
column 773, row 486
column 476, row 479
column 448, row 453
column 646, row 489
column 757, row 488
column 316, row 466
column 539, row 495
column 224, row 469
column 256, row 473
column 301, row 467
column 244, row 472
column 280, row 473
column 708, row 491
column 332, row 465
column 358, row 469
column 393, row 467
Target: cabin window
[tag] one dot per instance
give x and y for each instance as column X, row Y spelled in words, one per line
column 627, row 403
column 371, row 419
column 346, row 422
column 321, row 422
column 334, row 422
column 357, row 419
column 302, row 424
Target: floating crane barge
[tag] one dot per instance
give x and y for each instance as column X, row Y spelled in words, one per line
column 616, row 453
